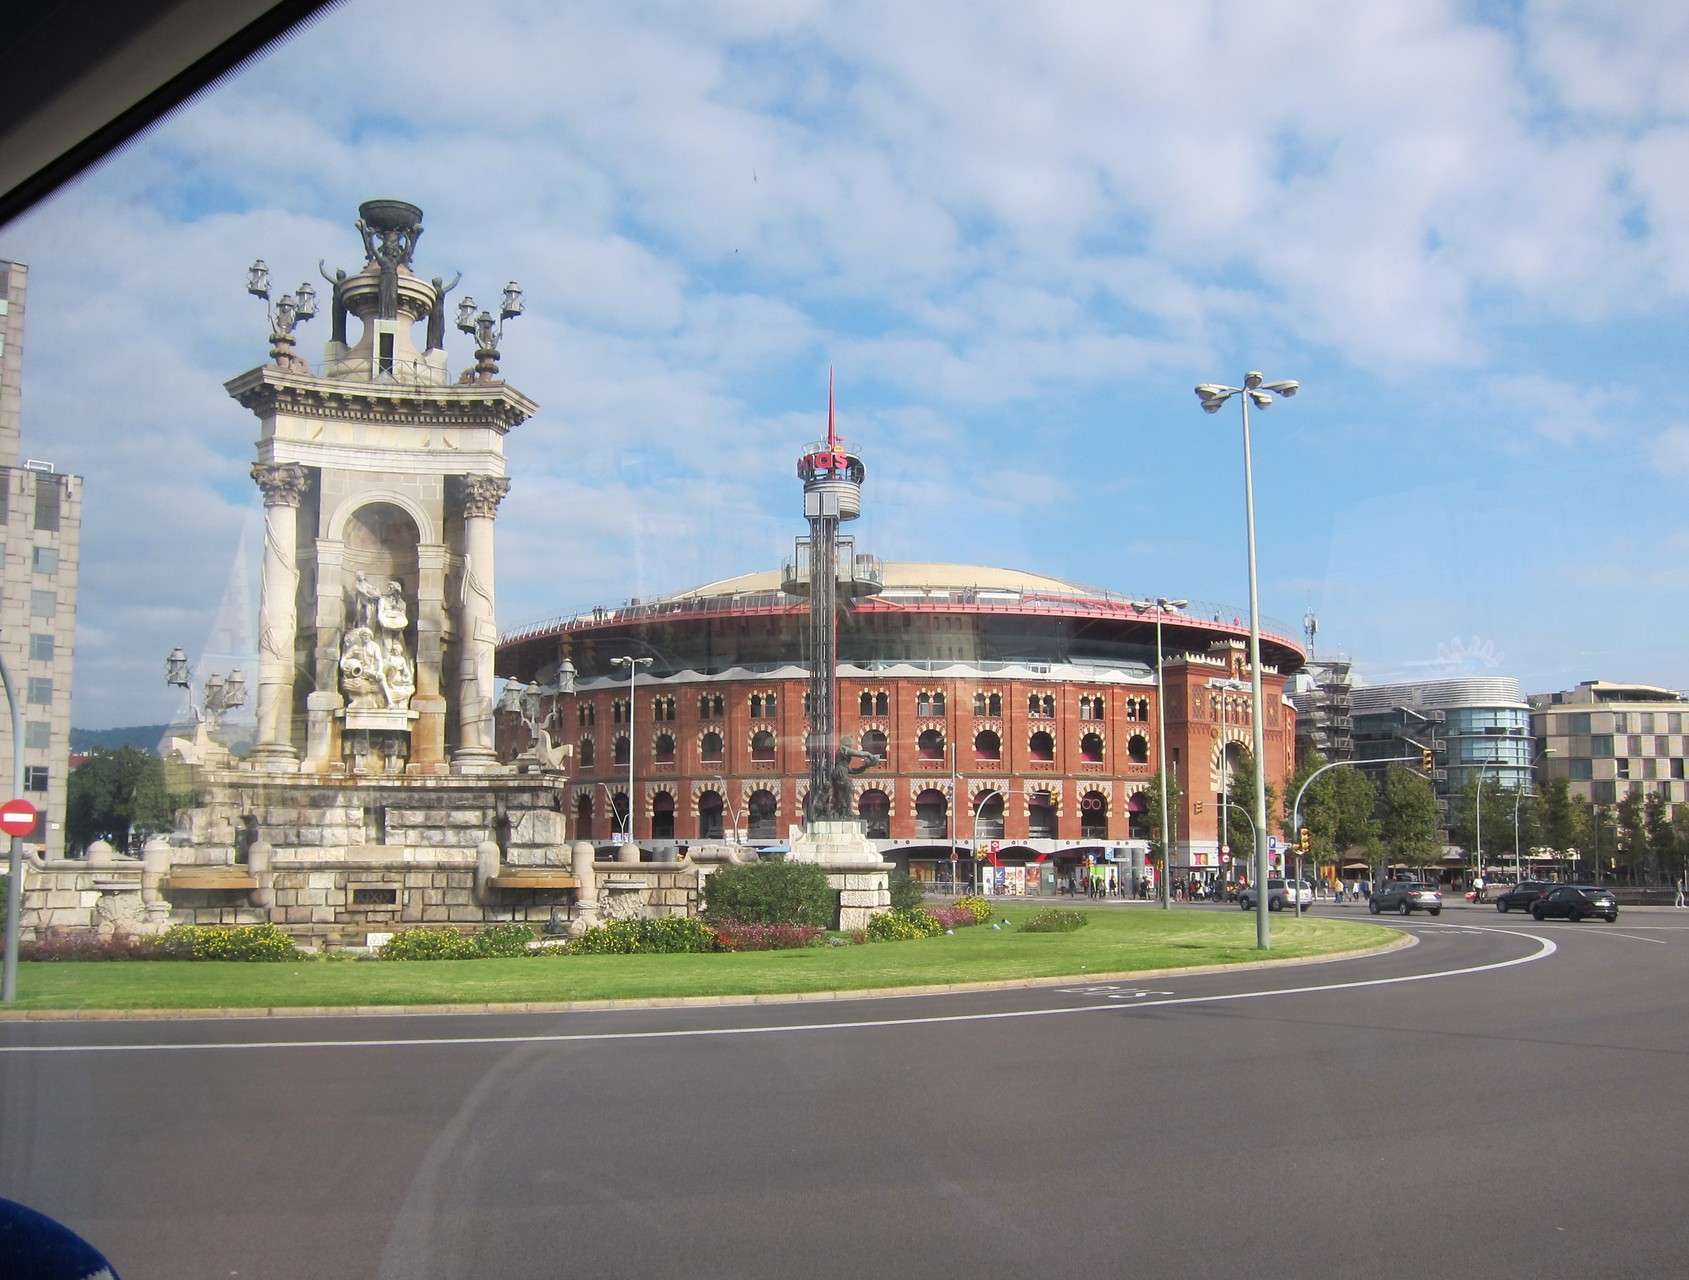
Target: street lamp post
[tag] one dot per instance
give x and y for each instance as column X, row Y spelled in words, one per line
column 1478, row 827
column 732, row 809
column 1213, row 396
column 1160, row 604
column 633, row 665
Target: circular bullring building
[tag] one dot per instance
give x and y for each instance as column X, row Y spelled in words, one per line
column 1016, row 714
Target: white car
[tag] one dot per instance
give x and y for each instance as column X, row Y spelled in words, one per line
column 1280, row 894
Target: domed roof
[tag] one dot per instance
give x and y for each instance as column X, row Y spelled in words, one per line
column 907, row 575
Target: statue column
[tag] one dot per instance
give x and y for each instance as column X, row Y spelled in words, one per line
column 282, row 483
column 477, row 627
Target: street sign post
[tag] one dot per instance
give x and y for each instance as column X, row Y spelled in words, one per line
column 18, row 817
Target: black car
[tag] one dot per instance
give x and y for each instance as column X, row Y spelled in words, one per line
column 1574, row 902
column 1406, row 896
column 1522, row 895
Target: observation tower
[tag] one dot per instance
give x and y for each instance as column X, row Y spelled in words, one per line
column 827, row 569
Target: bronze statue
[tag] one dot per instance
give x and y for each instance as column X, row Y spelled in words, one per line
column 338, row 280
column 437, row 313
column 848, row 761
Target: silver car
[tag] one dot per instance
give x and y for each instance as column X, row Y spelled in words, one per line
column 1280, row 894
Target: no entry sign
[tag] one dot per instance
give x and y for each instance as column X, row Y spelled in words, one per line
column 18, row 817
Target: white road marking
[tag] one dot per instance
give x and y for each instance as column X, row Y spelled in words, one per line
column 1545, row 949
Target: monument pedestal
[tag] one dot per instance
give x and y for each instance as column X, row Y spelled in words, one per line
column 853, row 867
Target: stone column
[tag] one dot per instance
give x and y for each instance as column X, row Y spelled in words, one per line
column 282, row 483
column 477, row 627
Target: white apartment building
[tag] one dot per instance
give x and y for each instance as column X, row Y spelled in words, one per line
column 1607, row 739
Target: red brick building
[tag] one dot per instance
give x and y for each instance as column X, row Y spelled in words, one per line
column 1010, row 707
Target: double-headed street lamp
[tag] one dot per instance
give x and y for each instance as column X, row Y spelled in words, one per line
column 1160, row 604
column 1213, row 396
column 1518, row 795
column 633, row 665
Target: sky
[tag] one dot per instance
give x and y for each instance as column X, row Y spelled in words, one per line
column 1019, row 233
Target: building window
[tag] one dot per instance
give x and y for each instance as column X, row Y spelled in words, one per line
column 619, row 752
column 930, row 745
column 1602, row 792
column 662, row 816
column 874, row 740
column 1580, row 770
column 618, row 711
column 932, row 814
column 586, row 753
column 1580, row 724
column 710, row 748
column 710, row 808
column 762, row 811
column 988, row 816
column 1623, row 767
column 1677, row 767
column 1137, row 749
column 865, row 704
column 1042, row 746
column 586, row 714
column 43, row 604
column 40, row 691
column 1091, row 707
column 1041, row 816
column 929, row 706
column 1093, row 816
column 40, row 648
column 38, row 736
column 875, row 808
column 1601, row 745
column 882, row 704
column 47, row 503
column 46, row 560
column 987, row 745
column 1091, row 748
column 1041, row 706
column 662, row 751
column 662, row 708
column 35, row 777
column 762, row 746
column 763, row 706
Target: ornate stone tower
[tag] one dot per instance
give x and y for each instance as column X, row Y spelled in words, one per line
column 381, row 479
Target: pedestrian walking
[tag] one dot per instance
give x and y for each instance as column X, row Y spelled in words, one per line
column 1679, row 900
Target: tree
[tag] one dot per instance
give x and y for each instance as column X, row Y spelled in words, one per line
column 1633, row 835
column 1152, row 813
column 1337, row 808
column 1240, row 812
column 1598, row 837
column 1408, row 818
column 1661, row 839
column 1556, row 816
column 1496, row 819
column 118, row 796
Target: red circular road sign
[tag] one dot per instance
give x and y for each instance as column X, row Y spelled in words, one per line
column 18, row 817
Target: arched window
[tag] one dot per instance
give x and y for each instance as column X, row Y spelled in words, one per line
column 1093, row 816
column 756, row 706
column 923, row 705
column 988, row 816
column 586, row 753
column 710, row 809
column 619, row 753
column 875, row 740
column 874, row 806
column 583, row 817
column 662, row 816
column 1137, row 818
column 882, row 704
column 710, row 707
column 762, row 809
column 762, row 745
column 987, row 745
column 769, row 706
column 994, row 706
column 979, row 704
column 1091, row 748
column 619, row 811
column 1042, row 746
column 662, row 708
column 866, row 703
column 1041, row 816
column 710, row 748
column 618, row 711
column 932, row 814
column 1137, row 749
column 938, row 704
column 663, row 749
column 930, row 745
column 587, row 714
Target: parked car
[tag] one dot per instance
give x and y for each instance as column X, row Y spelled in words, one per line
column 1575, row 901
column 1406, row 896
column 1280, row 895
column 1522, row 895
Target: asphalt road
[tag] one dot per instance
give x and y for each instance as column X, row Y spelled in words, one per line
column 1502, row 1099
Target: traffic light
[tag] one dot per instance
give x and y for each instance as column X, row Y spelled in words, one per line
column 1200, row 805
column 1425, row 759
column 1304, row 840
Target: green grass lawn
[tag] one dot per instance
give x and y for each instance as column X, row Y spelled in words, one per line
column 1116, row 941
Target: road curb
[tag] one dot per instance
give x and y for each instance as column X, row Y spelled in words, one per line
column 1398, row 943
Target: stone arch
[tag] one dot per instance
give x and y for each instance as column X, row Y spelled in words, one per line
column 335, row 526
column 655, row 789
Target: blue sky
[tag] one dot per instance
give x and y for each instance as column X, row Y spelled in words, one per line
column 1021, row 233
